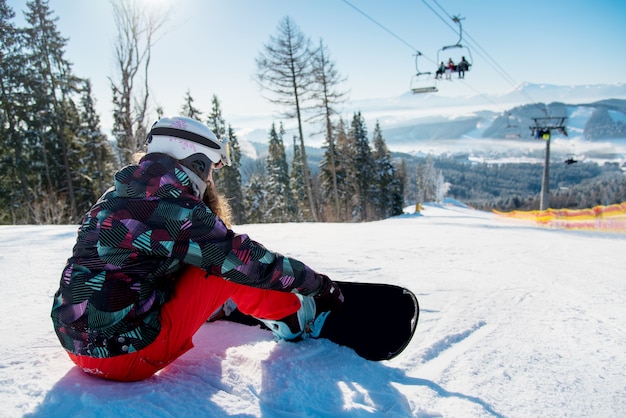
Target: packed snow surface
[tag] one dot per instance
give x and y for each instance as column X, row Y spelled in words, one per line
column 516, row 321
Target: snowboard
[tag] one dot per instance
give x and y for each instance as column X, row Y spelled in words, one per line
column 377, row 320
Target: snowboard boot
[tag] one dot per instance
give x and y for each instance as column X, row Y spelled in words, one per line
column 300, row 325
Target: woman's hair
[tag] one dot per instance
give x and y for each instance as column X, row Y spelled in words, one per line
column 218, row 203
column 136, row 157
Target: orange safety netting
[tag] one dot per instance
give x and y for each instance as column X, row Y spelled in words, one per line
column 599, row 218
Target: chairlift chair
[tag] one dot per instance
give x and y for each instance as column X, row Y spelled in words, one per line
column 456, row 51
column 512, row 129
column 422, row 82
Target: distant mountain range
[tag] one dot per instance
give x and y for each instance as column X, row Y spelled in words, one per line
column 595, row 121
column 430, row 117
column 432, row 123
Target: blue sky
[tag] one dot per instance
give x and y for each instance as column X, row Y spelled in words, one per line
column 209, row 46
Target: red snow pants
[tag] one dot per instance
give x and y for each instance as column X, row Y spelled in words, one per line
column 195, row 298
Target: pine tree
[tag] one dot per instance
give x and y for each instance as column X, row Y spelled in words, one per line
column 15, row 169
column 330, row 200
column 256, row 197
column 297, row 183
column 360, row 168
column 326, row 97
column 281, row 203
column 384, row 174
column 397, row 185
column 188, row 109
column 228, row 180
column 285, row 69
column 343, row 161
column 215, row 120
column 420, row 185
column 54, row 117
column 97, row 162
column 45, row 136
column 231, row 179
column 217, row 124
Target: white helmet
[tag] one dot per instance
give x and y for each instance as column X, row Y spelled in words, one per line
column 190, row 142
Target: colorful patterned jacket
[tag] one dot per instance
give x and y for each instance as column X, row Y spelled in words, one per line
column 130, row 246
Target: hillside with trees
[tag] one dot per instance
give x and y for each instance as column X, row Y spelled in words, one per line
column 516, row 186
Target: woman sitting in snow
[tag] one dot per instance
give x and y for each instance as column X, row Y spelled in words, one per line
column 155, row 258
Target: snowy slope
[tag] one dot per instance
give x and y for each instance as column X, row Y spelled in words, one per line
column 516, row 321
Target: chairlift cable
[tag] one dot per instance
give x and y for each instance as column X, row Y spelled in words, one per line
column 445, row 21
column 497, row 67
column 504, row 74
column 383, row 27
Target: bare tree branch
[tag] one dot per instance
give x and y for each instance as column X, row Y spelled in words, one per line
column 136, row 30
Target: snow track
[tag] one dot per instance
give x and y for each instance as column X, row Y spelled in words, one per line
column 516, row 321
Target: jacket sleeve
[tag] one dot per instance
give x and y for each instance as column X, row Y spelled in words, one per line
column 210, row 245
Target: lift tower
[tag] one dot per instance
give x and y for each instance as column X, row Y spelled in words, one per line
column 542, row 130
